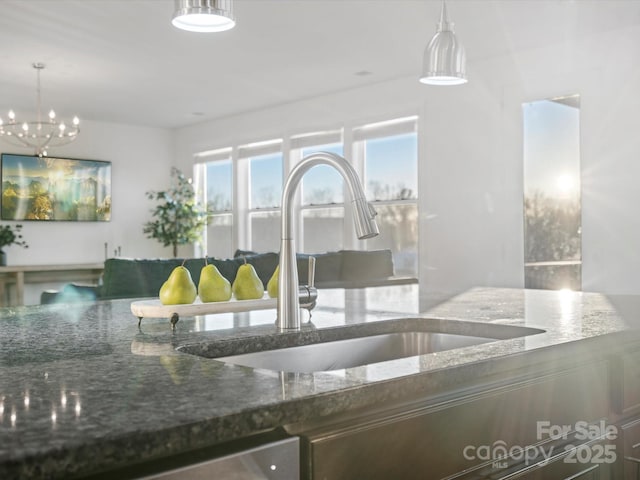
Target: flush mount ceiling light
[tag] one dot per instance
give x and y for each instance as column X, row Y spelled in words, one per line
column 444, row 58
column 204, row 15
column 39, row 134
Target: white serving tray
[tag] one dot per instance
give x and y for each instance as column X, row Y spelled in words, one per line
column 155, row 309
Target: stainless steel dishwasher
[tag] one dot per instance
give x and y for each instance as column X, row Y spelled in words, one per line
column 279, row 460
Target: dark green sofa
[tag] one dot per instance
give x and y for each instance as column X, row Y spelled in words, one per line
column 136, row 278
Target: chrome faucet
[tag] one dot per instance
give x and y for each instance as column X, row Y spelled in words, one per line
column 366, row 227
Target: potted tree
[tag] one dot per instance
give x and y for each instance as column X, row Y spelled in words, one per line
column 10, row 236
column 178, row 219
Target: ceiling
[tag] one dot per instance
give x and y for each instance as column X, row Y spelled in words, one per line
column 122, row 60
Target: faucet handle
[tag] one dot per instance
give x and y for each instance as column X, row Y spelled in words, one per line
column 307, row 297
column 311, row 278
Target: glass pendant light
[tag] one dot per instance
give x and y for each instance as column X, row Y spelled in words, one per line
column 444, row 58
column 204, row 15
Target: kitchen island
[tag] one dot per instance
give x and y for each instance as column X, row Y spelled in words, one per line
column 85, row 391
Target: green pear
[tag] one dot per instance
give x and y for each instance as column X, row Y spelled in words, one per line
column 247, row 284
column 213, row 287
column 272, row 284
column 179, row 288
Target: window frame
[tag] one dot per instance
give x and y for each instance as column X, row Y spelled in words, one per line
column 202, row 159
column 387, row 129
column 351, row 135
column 299, row 143
column 246, row 153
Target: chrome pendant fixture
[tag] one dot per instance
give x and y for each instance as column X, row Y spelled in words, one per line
column 444, row 58
column 40, row 134
column 204, row 15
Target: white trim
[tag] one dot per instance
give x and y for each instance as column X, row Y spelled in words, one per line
column 259, row 149
column 316, row 138
column 213, row 155
column 387, row 128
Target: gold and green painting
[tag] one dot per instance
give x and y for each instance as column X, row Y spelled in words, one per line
column 49, row 189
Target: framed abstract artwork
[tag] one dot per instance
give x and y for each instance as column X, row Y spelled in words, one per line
column 55, row 189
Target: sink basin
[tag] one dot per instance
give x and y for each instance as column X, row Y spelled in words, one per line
column 354, row 351
column 355, row 345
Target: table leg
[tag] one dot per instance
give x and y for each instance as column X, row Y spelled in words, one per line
column 19, row 288
column 3, row 293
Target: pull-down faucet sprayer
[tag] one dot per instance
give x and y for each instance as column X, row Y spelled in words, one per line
column 365, row 224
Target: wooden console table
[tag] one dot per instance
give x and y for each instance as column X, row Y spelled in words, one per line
column 19, row 275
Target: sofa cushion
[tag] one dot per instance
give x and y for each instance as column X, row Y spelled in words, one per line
column 243, row 253
column 366, row 265
column 265, row 264
column 328, row 267
column 129, row 278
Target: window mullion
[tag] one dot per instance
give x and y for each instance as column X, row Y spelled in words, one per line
column 356, row 158
column 241, row 192
column 290, row 160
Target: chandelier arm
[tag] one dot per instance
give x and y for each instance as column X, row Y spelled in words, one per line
column 44, row 145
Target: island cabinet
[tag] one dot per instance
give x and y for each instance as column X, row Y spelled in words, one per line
column 625, row 376
column 546, row 426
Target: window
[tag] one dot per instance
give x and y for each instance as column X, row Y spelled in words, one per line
column 552, row 198
column 265, row 178
column 244, row 186
column 265, row 173
column 322, row 209
column 390, row 155
column 214, row 178
column 322, row 185
column 391, row 166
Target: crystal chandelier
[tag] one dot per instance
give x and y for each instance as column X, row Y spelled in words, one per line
column 39, row 134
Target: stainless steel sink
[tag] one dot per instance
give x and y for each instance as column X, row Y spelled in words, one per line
column 353, row 352
column 354, row 345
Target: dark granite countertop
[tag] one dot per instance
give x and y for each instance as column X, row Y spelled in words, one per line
column 83, row 389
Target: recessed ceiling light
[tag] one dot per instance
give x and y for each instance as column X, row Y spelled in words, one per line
column 363, row 73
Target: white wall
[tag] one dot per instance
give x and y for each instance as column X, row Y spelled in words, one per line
column 141, row 160
column 470, row 194
column 471, row 225
column 470, row 165
column 611, row 167
column 605, row 72
column 471, row 186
